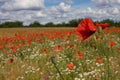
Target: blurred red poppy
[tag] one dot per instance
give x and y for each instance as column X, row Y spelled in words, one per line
column 14, row 50
column 18, row 46
column 21, row 38
column 103, row 25
column 66, row 45
column 44, row 50
column 112, row 43
column 5, row 51
column 80, row 55
column 72, row 46
column 5, row 39
column 99, row 60
column 58, row 48
column 1, row 47
column 29, row 42
column 11, row 60
column 70, row 66
column 10, row 55
column 86, row 28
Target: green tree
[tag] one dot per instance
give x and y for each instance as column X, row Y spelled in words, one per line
column 109, row 21
column 11, row 24
column 49, row 24
column 74, row 22
column 35, row 24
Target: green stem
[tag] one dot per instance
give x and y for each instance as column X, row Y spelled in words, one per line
column 57, row 69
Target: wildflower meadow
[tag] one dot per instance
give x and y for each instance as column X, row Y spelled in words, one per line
column 58, row 55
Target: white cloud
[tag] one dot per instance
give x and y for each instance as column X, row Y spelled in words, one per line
column 59, row 13
column 63, row 12
column 64, row 6
column 23, row 4
column 115, row 1
column 102, row 3
column 56, row 16
column 0, row 13
column 106, row 3
column 113, row 11
column 40, row 14
column 61, row 7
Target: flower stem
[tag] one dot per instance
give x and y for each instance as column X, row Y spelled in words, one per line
column 52, row 60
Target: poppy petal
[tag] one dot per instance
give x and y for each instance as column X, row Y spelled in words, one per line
column 86, row 28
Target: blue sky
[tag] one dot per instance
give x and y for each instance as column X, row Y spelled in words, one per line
column 83, row 3
column 58, row 11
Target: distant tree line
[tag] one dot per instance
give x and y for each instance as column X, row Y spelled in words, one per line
column 11, row 24
column 71, row 23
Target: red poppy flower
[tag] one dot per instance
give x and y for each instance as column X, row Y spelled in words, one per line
column 10, row 55
column 29, row 42
column 80, row 55
column 5, row 51
column 72, row 46
column 11, row 60
column 69, row 33
column 18, row 46
column 112, row 43
column 86, row 28
column 1, row 47
column 70, row 66
column 21, row 38
column 99, row 60
column 14, row 49
column 44, row 50
column 5, row 39
column 66, row 45
column 103, row 25
column 58, row 48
